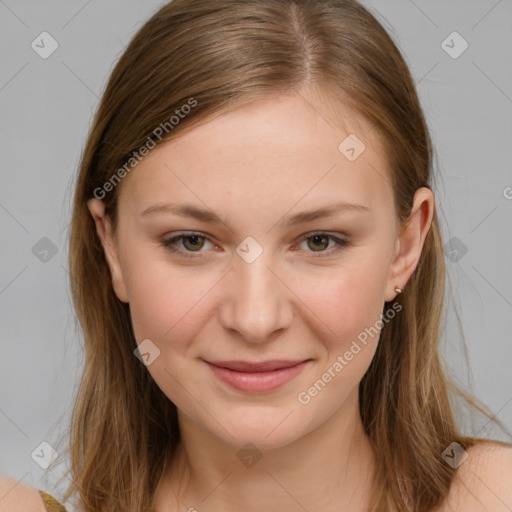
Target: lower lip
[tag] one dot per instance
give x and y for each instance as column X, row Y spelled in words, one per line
column 257, row 381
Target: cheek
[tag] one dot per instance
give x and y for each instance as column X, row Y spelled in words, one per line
column 167, row 307
column 349, row 302
column 346, row 299
column 166, row 302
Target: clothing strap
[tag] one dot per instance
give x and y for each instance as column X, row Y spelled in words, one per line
column 51, row 504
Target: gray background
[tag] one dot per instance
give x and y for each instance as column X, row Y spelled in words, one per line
column 46, row 109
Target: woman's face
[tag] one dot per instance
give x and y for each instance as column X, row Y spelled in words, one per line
column 255, row 284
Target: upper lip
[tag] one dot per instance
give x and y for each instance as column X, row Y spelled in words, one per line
column 263, row 366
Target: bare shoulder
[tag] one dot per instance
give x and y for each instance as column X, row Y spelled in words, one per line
column 15, row 496
column 483, row 482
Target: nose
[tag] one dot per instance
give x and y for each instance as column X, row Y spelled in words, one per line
column 257, row 303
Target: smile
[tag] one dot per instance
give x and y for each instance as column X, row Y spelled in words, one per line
column 256, row 377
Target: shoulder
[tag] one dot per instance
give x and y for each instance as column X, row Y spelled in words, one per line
column 483, row 482
column 15, row 496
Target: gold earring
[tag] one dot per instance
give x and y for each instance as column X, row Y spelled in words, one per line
column 398, row 290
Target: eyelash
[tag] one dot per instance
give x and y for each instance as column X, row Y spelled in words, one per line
column 340, row 244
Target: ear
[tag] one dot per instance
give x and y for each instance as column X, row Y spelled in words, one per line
column 104, row 230
column 410, row 240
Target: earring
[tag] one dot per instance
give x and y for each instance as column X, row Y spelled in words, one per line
column 398, row 290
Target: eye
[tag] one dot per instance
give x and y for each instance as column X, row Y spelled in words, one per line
column 320, row 240
column 193, row 243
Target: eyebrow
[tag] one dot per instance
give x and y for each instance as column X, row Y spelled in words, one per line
column 189, row 210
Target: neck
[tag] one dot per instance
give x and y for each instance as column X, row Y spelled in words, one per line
column 330, row 468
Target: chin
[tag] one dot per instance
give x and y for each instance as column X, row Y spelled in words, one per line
column 264, row 428
column 260, row 440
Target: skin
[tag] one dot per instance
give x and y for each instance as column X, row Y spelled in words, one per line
column 255, row 167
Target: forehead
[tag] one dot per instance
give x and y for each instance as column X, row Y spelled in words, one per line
column 293, row 148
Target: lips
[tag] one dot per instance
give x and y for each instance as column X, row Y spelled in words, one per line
column 264, row 366
column 258, row 377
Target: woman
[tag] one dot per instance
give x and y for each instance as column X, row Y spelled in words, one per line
column 257, row 268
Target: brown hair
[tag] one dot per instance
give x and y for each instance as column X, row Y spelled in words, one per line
column 218, row 55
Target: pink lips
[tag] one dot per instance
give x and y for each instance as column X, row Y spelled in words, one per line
column 257, row 377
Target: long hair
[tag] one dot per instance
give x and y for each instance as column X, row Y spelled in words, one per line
column 194, row 60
